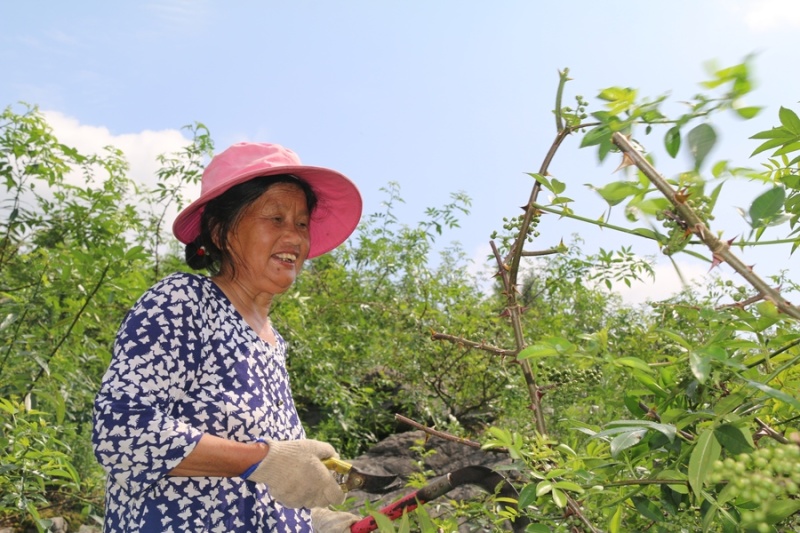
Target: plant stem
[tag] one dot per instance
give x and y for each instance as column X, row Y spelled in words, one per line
column 719, row 249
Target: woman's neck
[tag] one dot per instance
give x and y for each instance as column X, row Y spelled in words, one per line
column 254, row 307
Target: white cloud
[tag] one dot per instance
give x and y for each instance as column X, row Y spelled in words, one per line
column 667, row 282
column 140, row 149
column 766, row 15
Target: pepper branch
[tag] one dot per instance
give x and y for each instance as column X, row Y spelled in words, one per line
column 720, row 249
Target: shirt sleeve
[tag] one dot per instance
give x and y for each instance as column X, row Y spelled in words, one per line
column 135, row 436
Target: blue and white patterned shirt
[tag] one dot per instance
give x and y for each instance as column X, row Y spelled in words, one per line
column 185, row 363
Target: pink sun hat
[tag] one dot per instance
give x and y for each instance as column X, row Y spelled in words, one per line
column 335, row 217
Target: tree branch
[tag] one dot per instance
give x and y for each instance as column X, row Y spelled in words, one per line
column 720, row 249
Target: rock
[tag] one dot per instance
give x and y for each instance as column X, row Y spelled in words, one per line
column 59, row 525
column 394, row 455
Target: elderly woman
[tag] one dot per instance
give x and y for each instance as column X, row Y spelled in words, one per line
column 195, row 422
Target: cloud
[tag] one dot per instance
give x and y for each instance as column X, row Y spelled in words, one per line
column 184, row 16
column 141, row 149
column 766, row 15
column 666, row 283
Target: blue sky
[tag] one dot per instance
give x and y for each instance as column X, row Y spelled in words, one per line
column 438, row 96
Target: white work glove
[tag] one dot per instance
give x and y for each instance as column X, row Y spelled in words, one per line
column 327, row 521
column 294, row 472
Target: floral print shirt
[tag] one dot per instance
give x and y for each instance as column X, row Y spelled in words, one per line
column 185, row 363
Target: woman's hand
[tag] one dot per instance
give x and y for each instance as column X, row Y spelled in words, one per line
column 294, row 472
column 327, row 521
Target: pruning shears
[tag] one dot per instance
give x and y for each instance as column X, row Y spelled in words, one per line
column 350, row 478
column 481, row 476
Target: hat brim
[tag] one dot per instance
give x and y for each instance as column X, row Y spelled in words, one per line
column 334, row 219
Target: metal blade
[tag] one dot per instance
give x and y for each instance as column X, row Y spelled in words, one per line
column 350, row 478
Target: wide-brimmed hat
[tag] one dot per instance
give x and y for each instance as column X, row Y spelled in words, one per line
column 335, row 217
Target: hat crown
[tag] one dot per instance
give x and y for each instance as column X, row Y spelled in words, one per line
column 243, row 158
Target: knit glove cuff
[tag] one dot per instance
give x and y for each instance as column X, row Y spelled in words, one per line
column 327, row 521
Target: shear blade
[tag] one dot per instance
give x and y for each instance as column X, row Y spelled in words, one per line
column 350, row 478
column 370, row 483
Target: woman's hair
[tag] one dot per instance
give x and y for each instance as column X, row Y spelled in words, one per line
column 222, row 214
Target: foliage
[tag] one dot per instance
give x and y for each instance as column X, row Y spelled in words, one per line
column 669, row 417
column 703, row 380
column 71, row 264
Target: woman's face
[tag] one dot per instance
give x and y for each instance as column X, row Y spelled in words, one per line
column 271, row 240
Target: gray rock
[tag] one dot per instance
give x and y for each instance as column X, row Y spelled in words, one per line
column 394, row 455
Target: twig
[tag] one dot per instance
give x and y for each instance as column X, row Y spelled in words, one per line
column 720, row 249
column 768, row 431
column 472, row 344
column 516, row 324
column 66, row 335
column 744, row 303
column 540, row 253
column 442, row 434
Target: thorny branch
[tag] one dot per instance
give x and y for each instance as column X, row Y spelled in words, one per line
column 719, row 248
column 472, row 344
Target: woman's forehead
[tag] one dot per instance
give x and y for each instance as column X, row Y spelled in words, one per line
column 281, row 196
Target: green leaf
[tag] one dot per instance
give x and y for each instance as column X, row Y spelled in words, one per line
column 557, row 186
column 700, row 365
column 527, row 496
column 384, row 522
column 774, row 133
column 647, row 508
column 789, row 120
column 596, row 136
column 766, row 206
column 633, row 362
column 705, row 452
column 774, row 393
column 779, row 510
column 733, row 439
column 649, row 382
column 672, row 141
column 626, row 440
column 766, row 145
column 543, row 488
column 617, row 191
column 559, row 498
column 615, row 523
column 748, row 112
column 701, row 140
column 568, row 486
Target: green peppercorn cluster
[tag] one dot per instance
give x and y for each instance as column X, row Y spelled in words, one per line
column 574, row 117
column 511, row 228
column 678, row 231
column 563, row 375
column 755, row 482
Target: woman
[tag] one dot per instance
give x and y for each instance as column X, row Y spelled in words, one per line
column 195, row 422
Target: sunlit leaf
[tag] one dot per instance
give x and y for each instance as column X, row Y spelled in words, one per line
column 705, row 452
column 626, row 440
column 774, row 393
column 700, row 365
column 789, row 120
column 559, row 498
column 766, row 206
column 633, row 362
column 748, row 112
